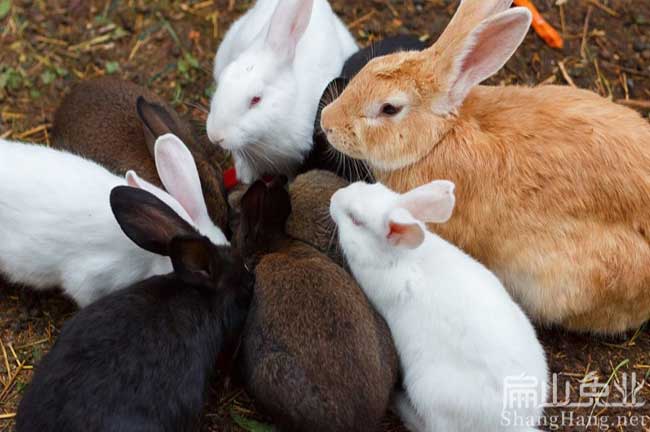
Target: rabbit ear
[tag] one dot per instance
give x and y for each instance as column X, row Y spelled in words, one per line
column 191, row 256
column 431, row 203
column 146, row 220
column 266, row 207
column 469, row 15
column 156, row 121
column 288, row 24
column 252, row 207
column 403, row 230
column 133, row 180
column 277, row 205
column 177, row 170
column 483, row 52
column 487, row 50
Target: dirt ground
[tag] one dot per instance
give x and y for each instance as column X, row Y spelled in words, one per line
column 169, row 46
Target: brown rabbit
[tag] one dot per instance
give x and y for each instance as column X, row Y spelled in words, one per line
column 116, row 123
column 315, row 355
column 553, row 183
column 310, row 219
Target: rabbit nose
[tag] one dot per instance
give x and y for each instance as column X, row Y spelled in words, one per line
column 215, row 137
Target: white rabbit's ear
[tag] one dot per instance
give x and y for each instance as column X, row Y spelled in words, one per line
column 486, row 50
column 177, row 170
column 404, row 230
column 288, row 24
column 431, row 203
column 133, row 180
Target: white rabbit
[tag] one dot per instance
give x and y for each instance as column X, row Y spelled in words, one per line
column 271, row 70
column 461, row 339
column 57, row 228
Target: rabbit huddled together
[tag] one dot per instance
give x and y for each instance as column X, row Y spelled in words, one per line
column 343, row 276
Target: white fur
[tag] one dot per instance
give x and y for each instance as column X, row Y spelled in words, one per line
column 275, row 135
column 458, row 333
column 57, row 228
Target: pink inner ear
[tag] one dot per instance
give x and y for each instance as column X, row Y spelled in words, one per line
column 488, row 48
column 409, row 236
column 132, row 180
column 288, row 24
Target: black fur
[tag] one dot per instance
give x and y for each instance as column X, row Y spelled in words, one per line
column 140, row 359
column 325, row 157
column 383, row 47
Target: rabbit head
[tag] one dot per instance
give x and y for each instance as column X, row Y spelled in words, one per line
column 256, row 92
column 375, row 223
column 399, row 106
column 310, row 220
column 265, row 209
column 178, row 173
column 157, row 228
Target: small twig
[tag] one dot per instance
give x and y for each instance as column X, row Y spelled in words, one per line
column 565, row 74
column 585, row 33
column 604, row 8
column 363, row 19
column 635, row 103
column 11, row 382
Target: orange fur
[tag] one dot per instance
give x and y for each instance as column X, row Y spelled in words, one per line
column 553, row 183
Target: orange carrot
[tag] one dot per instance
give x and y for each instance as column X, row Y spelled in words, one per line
column 541, row 26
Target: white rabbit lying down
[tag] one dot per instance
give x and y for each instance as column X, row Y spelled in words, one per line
column 461, row 339
column 57, row 227
column 271, row 69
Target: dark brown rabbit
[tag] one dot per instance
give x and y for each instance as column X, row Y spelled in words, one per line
column 315, row 355
column 116, row 123
column 310, row 220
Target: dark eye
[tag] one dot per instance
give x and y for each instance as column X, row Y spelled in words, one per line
column 255, row 100
column 390, row 110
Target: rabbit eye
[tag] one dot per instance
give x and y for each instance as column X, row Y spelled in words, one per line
column 390, row 110
column 355, row 220
column 255, row 100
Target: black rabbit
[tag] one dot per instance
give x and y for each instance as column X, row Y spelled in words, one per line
column 140, row 359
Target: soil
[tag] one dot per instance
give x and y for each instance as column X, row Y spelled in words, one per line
column 169, row 46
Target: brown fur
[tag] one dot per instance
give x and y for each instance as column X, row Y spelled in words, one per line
column 553, row 184
column 310, row 220
column 99, row 120
column 315, row 355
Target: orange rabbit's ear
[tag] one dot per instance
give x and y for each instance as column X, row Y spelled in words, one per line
column 470, row 14
column 482, row 53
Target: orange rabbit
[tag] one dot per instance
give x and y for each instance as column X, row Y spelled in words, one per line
column 553, row 183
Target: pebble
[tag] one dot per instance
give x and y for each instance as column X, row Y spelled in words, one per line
column 646, row 54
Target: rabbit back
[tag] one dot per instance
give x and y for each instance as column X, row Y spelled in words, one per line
column 134, row 360
column 98, row 119
column 565, row 200
column 57, row 226
column 315, row 354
